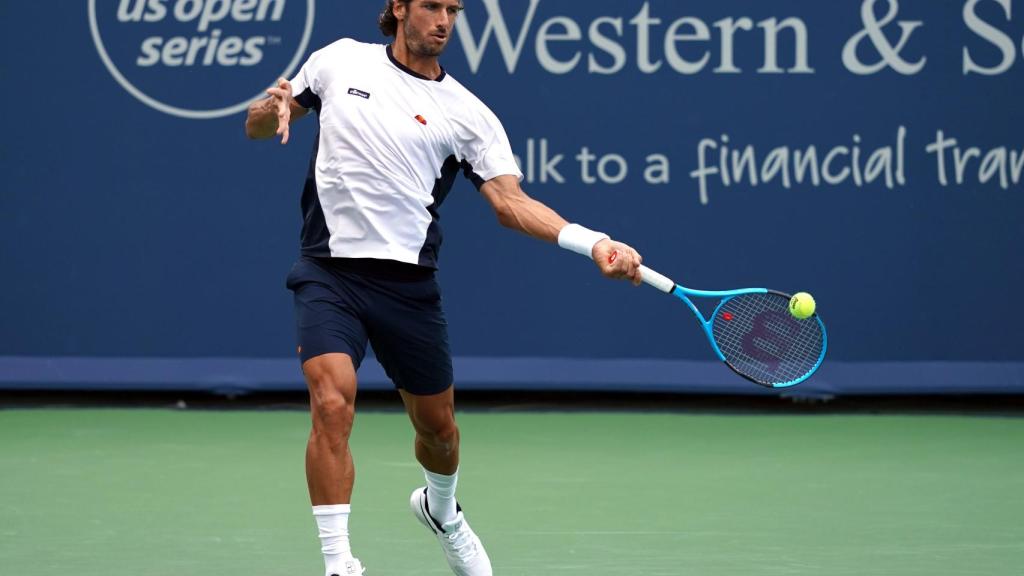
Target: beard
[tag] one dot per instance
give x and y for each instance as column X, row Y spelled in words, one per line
column 422, row 44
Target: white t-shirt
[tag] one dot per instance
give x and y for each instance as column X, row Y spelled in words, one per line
column 390, row 145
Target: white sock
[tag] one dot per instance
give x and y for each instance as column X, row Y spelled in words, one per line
column 332, row 522
column 441, row 495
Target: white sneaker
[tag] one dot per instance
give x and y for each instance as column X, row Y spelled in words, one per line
column 465, row 553
column 351, row 568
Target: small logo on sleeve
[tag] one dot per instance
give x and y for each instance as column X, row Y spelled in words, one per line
column 358, row 92
column 421, row 119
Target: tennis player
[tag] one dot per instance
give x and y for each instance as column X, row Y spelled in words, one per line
column 394, row 132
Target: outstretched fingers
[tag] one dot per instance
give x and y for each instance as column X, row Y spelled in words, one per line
column 284, row 118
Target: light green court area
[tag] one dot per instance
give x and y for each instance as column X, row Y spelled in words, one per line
column 164, row 493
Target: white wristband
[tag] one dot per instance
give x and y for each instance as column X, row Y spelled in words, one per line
column 579, row 239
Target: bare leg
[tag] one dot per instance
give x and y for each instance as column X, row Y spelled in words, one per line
column 437, row 436
column 331, row 379
column 437, row 449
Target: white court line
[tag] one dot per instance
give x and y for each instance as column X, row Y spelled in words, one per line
column 606, row 533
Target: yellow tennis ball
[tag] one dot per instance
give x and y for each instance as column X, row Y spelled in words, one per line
column 801, row 305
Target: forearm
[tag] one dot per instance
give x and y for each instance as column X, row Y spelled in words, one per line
column 531, row 217
column 518, row 211
column 526, row 215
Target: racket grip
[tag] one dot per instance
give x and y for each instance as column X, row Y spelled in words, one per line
column 657, row 280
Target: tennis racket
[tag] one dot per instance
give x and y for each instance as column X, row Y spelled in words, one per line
column 753, row 332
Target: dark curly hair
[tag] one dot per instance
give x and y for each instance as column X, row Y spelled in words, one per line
column 387, row 22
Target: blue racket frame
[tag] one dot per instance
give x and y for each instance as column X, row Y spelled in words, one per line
column 668, row 286
column 706, row 324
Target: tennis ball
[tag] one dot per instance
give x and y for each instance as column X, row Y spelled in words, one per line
column 801, row 305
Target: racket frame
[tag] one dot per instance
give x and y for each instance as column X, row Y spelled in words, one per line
column 664, row 284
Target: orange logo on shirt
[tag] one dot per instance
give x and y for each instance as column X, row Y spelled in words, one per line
column 421, row 119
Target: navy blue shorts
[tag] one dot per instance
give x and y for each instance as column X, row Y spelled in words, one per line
column 340, row 310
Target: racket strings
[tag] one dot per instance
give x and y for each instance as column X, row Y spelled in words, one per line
column 763, row 341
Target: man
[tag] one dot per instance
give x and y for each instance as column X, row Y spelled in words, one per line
column 395, row 130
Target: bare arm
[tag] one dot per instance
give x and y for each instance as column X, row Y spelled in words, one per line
column 272, row 116
column 519, row 212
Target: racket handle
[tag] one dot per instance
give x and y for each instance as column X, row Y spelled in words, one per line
column 657, row 280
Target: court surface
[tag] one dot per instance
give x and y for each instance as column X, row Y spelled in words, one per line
column 124, row 492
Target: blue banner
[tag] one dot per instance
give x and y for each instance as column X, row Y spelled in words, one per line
column 867, row 151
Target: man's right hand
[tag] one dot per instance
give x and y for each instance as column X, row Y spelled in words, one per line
column 282, row 97
column 618, row 260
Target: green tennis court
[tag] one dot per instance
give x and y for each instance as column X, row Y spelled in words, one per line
column 161, row 492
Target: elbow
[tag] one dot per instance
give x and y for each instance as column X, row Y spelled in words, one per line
column 507, row 200
column 506, row 216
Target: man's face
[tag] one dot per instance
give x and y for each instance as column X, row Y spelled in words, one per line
column 427, row 24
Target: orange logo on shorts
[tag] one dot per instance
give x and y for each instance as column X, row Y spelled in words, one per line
column 421, row 119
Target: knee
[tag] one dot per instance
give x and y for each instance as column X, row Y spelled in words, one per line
column 438, row 433
column 331, row 410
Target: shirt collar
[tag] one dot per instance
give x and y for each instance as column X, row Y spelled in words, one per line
column 410, row 71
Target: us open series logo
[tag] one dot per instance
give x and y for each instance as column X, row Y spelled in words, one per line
column 200, row 59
